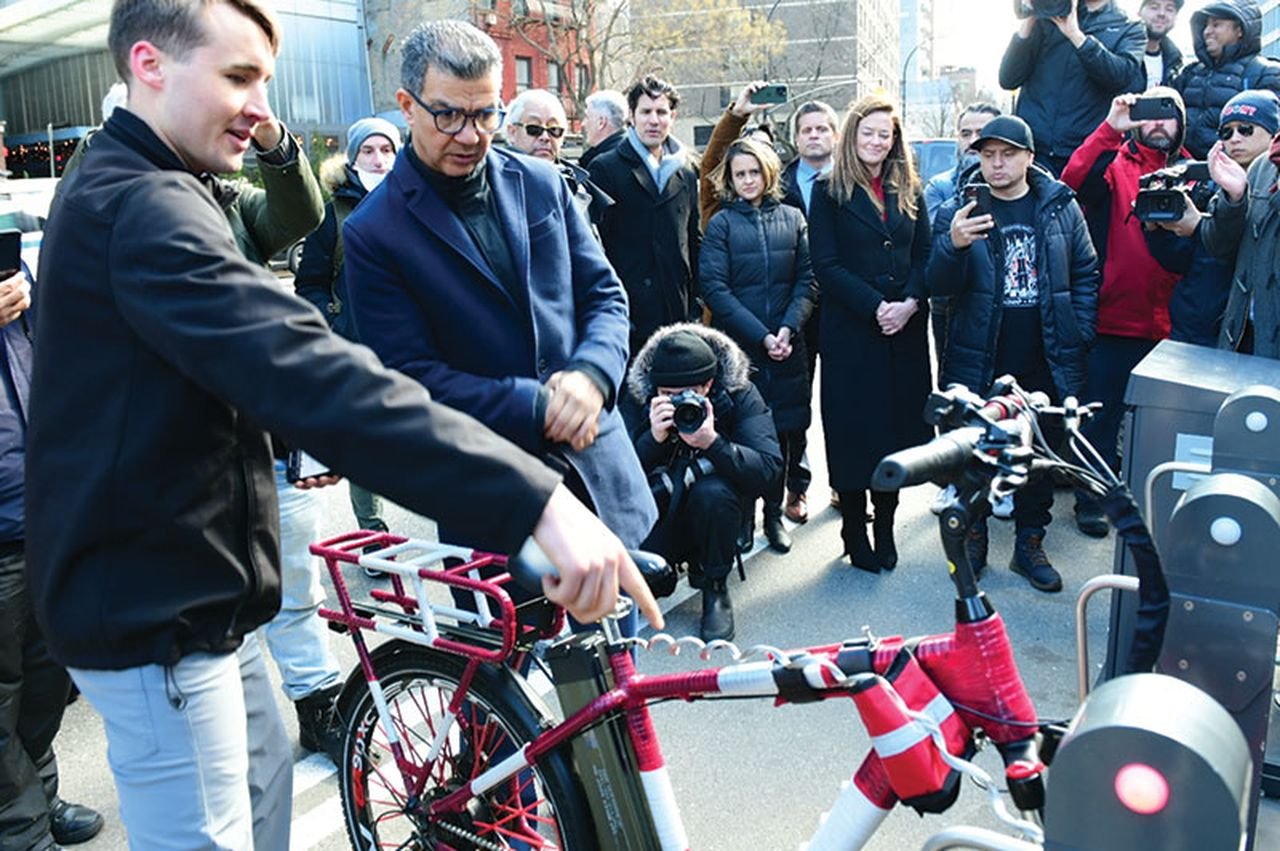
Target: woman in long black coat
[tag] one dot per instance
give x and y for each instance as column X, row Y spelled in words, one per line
column 869, row 235
column 756, row 278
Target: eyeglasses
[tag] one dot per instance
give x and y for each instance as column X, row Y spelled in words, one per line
column 536, row 130
column 1245, row 130
column 451, row 121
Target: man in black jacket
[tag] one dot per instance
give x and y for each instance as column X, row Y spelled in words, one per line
column 1228, row 38
column 604, row 124
column 651, row 233
column 706, row 456
column 1068, row 70
column 1162, row 59
column 1023, row 286
column 152, row 530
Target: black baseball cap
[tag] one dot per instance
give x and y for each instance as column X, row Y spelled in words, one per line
column 1006, row 128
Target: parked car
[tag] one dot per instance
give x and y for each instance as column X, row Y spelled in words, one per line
column 933, row 156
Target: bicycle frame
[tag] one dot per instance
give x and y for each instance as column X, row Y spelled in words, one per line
column 972, row 666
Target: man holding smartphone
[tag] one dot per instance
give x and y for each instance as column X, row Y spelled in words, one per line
column 1008, row 273
column 1133, row 312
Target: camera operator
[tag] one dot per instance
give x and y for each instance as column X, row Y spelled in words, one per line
column 1242, row 221
column 1068, row 68
column 1133, row 303
column 1246, row 126
column 707, row 441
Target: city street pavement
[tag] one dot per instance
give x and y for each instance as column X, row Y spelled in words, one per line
column 747, row 775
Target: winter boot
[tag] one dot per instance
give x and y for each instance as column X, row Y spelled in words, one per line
column 886, row 550
column 853, row 531
column 717, row 612
column 320, row 724
column 1090, row 518
column 1030, row 561
column 774, row 532
column 747, row 532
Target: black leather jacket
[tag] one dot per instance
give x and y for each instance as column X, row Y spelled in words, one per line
column 152, row 523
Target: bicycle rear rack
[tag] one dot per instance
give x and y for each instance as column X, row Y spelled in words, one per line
column 489, row 633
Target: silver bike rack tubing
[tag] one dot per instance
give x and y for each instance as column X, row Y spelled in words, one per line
column 1115, row 582
column 979, row 838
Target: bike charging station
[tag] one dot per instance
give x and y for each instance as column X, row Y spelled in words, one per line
column 1207, row 424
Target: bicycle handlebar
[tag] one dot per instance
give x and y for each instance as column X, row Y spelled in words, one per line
column 530, row 565
column 943, row 456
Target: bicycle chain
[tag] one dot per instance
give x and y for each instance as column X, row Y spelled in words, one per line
column 469, row 836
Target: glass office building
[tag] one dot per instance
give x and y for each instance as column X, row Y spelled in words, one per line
column 54, row 68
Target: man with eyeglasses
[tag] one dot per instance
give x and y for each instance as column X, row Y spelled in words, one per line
column 479, row 279
column 536, row 122
column 1133, row 301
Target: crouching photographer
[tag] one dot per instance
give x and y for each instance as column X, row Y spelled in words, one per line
column 707, row 442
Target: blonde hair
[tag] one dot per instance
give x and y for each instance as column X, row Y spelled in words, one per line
column 770, row 169
column 898, row 173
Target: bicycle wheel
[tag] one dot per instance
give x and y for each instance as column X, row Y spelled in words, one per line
column 540, row 808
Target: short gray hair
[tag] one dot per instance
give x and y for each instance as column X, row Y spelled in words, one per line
column 454, row 47
column 515, row 109
column 612, row 105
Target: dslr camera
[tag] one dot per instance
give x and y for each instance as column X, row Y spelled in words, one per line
column 1162, row 194
column 1043, row 8
column 691, row 411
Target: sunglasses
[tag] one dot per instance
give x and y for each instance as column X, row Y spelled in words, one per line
column 536, row 130
column 1245, row 130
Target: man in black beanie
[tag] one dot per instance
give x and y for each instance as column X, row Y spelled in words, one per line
column 707, row 441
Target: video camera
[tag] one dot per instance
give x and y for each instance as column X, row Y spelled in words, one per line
column 1162, row 194
column 1043, row 8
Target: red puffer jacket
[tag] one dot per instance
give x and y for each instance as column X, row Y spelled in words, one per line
column 1104, row 171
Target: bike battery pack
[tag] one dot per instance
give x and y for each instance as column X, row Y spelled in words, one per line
column 602, row 755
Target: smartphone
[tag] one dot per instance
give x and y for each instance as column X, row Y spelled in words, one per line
column 771, row 93
column 1153, row 109
column 10, row 251
column 981, row 193
column 301, row 466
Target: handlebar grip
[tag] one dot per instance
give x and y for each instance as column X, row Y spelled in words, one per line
column 943, row 456
column 531, row 564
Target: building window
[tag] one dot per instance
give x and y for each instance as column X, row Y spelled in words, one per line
column 584, row 81
column 524, row 73
column 554, row 83
column 520, row 8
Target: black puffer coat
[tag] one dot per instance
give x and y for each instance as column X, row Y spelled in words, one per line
column 1069, row 278
column 746, row 454
column 1064, row 92
column 756, row 278
column 1208, row 84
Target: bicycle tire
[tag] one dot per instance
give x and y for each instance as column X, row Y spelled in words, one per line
column 541, row 808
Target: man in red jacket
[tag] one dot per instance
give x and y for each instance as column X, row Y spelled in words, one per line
column 1133, row 304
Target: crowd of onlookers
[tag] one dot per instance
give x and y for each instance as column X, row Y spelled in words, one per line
column 609, row 353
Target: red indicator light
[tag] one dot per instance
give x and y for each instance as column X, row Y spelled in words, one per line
column 1142, row 789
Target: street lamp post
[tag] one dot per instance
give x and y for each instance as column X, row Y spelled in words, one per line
column 902, row 82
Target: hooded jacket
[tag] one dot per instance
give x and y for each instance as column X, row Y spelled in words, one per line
column 746, row 453
column 1068, row 291
column 1105, row 172
column 1207, row 84
column 320, row 279
column 1066, row 91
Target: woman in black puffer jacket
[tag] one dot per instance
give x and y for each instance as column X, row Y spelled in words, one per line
column 756, row 279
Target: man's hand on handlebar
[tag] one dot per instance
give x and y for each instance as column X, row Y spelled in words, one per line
column 592, row 563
